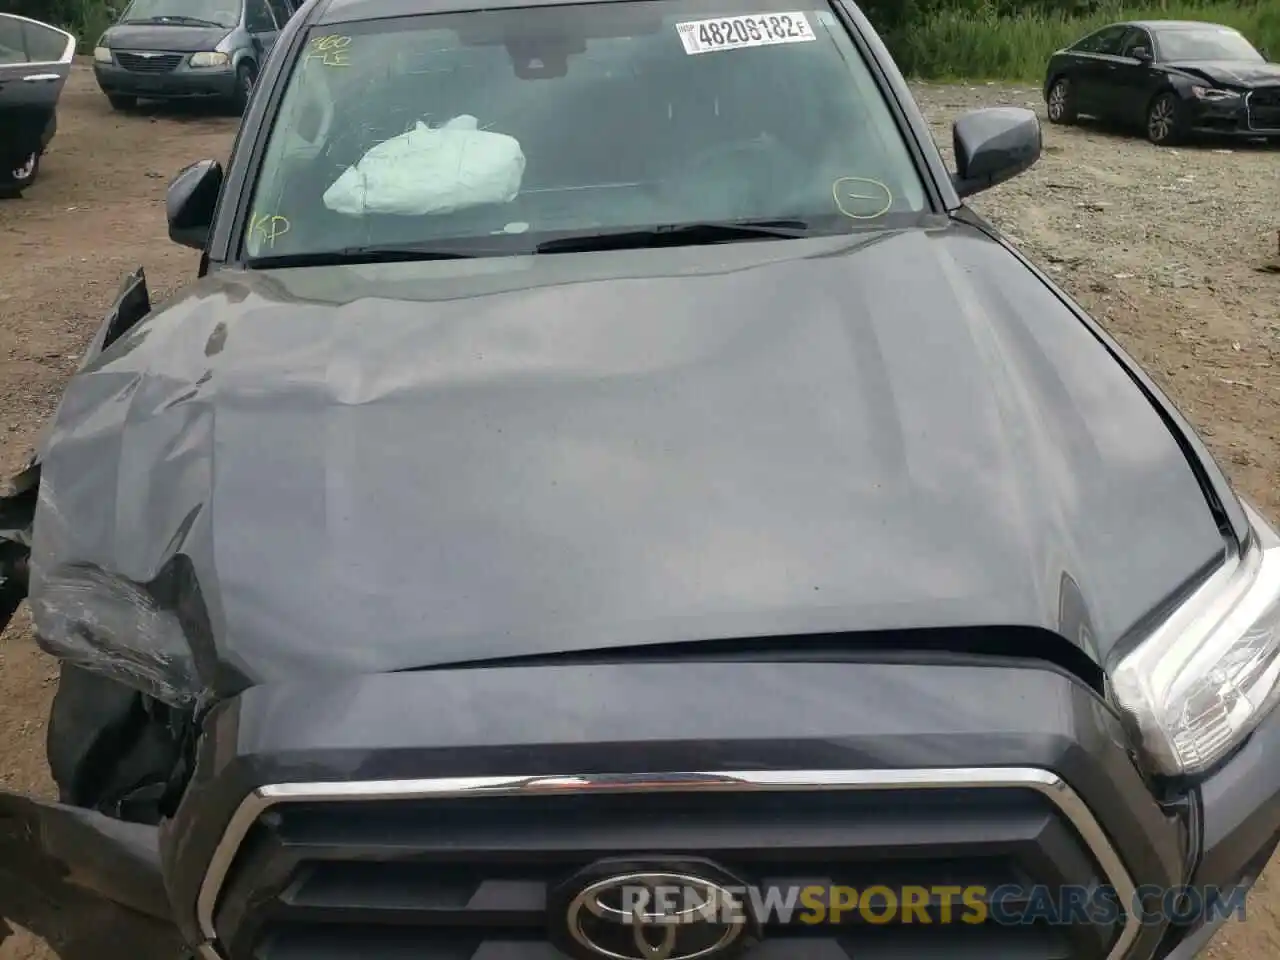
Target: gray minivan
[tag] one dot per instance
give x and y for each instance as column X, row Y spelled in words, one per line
column 180, row 49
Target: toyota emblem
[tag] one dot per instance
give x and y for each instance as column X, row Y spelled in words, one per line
column 656, row 914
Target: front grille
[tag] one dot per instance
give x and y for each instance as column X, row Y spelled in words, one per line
column 469, row 879
column 1264, row 109
column 149, row 63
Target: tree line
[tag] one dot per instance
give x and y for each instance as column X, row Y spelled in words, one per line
column 931, row 39
column 886, row 14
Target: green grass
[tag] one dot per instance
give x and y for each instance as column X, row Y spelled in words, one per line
column 93, row 21
column 971, row 40
column 952, row 45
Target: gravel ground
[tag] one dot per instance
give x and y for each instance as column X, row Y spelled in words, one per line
column 1176, row 251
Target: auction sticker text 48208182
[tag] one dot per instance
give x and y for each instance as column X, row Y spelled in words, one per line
column 753, row 30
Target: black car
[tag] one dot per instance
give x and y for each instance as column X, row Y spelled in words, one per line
column 582, row 468
column 1172, row 78
column 188, row 50
column 35, row 61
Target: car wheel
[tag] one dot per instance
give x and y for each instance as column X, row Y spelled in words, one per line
column 119, row 102
column 1062, row 102
column 246, row 77
column 13, row 182
column 1164, row 125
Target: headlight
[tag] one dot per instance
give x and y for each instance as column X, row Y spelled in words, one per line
column 102, row 54
column 1209, row 93
column 1207, row 676
column 210, row 58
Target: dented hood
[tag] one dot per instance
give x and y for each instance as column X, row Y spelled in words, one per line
column 377, row 468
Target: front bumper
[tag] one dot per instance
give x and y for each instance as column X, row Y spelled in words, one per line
column 903, row 773
column 87, row 885
column 318, row 790
column 1240, row 117
column 182, row 83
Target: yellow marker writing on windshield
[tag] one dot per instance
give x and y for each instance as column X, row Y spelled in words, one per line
column 870, row 198
column 330, row 50
column 267, row 227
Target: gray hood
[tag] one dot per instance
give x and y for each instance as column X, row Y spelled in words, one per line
column 397, row 466
column 154, row 36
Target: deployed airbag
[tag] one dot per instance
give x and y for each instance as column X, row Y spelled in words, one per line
column 431, row 171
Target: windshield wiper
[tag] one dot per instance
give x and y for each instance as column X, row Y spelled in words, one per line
column 178, row 18
column 679, row 234
column 388, row 254
column 661, row 236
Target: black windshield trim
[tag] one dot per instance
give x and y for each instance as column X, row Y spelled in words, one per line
column 677, row 235
column 337, row 258
column 640, row 237
column 177, row 20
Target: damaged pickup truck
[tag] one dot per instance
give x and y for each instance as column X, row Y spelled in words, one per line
column 678, row 484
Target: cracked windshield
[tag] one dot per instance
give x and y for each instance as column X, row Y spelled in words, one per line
column 501, row 129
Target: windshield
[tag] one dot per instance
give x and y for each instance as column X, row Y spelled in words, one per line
column 216, row 13
column 513, row 126
column 1211, row 43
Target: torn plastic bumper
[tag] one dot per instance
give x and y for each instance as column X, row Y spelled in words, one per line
column 17, row 511
column 89, row 886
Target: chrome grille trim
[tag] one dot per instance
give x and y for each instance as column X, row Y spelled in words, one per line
column 1248, row 112
column 149, row 61
column 1044, row 782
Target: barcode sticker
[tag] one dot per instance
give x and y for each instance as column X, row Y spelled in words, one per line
column 755, row 30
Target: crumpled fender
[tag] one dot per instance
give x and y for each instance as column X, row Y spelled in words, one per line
column 18, row 496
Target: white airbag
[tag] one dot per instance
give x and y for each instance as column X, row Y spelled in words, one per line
column 431, row 171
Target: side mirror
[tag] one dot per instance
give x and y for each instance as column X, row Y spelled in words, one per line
column 1141, row 54
column 992, row 146
column 112, row 12
column 190, row 202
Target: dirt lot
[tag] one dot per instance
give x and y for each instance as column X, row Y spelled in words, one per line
column 1169, row 248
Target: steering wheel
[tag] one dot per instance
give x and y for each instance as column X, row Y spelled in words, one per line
column 738, row 171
